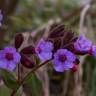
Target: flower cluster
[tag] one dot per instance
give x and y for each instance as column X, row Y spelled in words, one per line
column 11, row 56
column 61, row 46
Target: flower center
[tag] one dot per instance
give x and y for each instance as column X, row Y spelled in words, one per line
column 9, row 56
column 62, row 58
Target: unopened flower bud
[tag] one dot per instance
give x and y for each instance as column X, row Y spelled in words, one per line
column 77, row 61
column 28, row 50
column 61, row 36
column 18, row 40
column 27, row 62
column 74, row 68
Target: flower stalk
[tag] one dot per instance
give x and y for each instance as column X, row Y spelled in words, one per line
column 32, row 71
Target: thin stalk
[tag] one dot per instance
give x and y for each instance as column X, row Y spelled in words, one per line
column 32, row 71
column 35, row 68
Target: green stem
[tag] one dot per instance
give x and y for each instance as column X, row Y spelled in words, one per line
column 19, row 73
column 33, row 70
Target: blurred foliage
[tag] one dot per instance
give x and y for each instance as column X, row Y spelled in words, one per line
column 31, row 14
column 4, row 91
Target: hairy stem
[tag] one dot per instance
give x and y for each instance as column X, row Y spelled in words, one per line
column 32, row 71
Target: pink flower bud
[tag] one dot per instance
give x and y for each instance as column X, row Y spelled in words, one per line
column 74, row 68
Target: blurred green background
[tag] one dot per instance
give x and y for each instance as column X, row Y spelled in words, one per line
column 28, row 15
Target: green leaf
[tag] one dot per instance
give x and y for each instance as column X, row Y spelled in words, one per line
column 19, row 91
column 32, row 85
column 9, row 79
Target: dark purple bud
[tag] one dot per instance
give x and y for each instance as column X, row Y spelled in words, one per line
column 27, row 62
column 28, row 50
column 70, row 47
column 57, row 44
column 18, row 40
column 81, row 52
column 77, row 61
column 68, row 36
column 74, row 39
column 56, row 30
column 61, row 36
column 74, row 68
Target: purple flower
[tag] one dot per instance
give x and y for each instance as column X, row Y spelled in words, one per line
column 44, row 50
column 1, row 17
column 82, row 44
column 93, row 50
column 9, row 58
column 63, row 60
